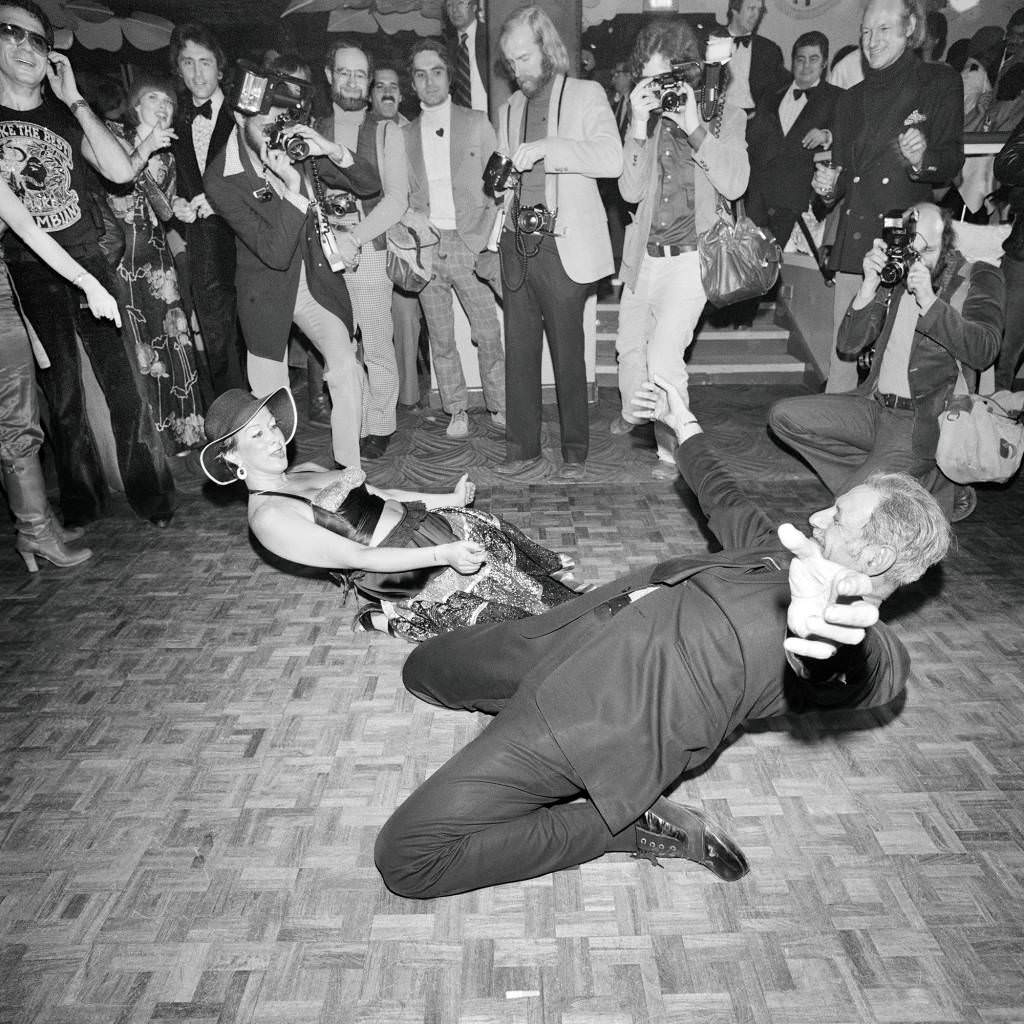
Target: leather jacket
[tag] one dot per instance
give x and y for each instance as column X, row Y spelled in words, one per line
column 1009, row 171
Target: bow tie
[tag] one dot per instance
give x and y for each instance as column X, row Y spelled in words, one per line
column 203, row 110
column 742, row 41
column 797, row 93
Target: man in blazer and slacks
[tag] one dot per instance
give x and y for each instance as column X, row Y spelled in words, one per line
column 447, row 148
column 601, row 703
column 203, row 125
column 560, row 134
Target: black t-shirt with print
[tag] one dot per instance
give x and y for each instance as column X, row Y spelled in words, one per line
column 41, row 160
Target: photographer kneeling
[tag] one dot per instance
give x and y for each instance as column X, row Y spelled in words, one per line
column 267, row 183
column 938, row 311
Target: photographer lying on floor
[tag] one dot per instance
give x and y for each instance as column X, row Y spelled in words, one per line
column 613, row 695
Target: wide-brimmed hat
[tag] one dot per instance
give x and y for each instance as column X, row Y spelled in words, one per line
column 229, row 413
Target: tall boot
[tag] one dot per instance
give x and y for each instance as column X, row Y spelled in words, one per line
column 33, row 517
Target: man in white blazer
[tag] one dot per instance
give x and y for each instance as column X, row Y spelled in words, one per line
column 561, row 135
column 447, row 148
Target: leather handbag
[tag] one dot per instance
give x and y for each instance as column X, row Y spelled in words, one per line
column 738, row 259
column 981, row 437
column 409, row 254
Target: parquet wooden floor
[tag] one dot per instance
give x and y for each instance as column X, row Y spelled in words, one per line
column 196, row 754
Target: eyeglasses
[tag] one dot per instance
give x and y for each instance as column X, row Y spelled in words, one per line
column 17, row 35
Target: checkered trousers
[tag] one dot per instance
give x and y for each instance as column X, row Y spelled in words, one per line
column 453, row 270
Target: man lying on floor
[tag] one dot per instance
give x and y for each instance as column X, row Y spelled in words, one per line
column 610, row 697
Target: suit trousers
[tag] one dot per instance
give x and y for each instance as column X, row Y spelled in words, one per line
column 1013, row 334
column 842, row 373
column 370, row 290
column 846, row 438
column 345, row 379
column 656, row 323
column 497, row 811
column 20, row 433
column 453, row 272
column 57, row 312
column 550, row 302
column 210, row 248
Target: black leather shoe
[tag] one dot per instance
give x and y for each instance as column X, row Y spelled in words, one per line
column 373, row 446
column 536, row 468
column 320, row 410
column 161, row 522
column 669, row 829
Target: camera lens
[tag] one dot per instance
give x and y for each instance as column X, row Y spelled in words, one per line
column 297, row 147
column 671, row 101
column 892, row 272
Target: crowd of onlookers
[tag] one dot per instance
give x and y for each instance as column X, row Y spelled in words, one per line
column 244, row 223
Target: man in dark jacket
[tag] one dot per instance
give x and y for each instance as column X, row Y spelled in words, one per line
column 203, row 125
column 283, row 274
column 789, row 127
column 945, row 311
column 897, row 134
column 610, row 697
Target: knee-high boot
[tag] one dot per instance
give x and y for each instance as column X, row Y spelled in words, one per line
column 38, row 531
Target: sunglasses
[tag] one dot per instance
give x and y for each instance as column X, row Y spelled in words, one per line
column 17, row 35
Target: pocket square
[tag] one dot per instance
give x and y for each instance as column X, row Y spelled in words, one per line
column 914, row 117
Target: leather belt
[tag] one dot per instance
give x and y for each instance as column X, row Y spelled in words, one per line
column 894, row 401
column 669, row 250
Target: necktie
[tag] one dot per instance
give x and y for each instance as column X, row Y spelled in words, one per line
column 797, row 93
column 742, row 41
column 203, row 110
column 463, row 91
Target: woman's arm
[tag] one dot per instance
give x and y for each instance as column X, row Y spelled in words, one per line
column 20, row 221
column 290, row 535
column 463, row 495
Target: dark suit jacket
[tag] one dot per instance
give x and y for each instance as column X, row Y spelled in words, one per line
column 767, row 69
column 780, row 168
column 274, row 239
column 637, row 698
column 190, row 178
column 480, row 53
column 876, row 177
column 965, row 323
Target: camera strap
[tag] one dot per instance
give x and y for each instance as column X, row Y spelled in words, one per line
column 328, row 243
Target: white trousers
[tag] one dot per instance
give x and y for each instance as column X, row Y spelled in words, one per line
column 656, row 324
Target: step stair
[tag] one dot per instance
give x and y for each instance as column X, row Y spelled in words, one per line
column 758, row 354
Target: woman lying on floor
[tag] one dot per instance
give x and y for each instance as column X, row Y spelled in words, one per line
column 427, row 562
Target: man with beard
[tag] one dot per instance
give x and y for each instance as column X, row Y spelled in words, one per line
column 360, row 228
column 945, row 313
column 561, row 135
column 385, row 98
column 448, row 147
column 283, row 276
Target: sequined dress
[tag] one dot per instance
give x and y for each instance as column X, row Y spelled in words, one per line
column 518, row 578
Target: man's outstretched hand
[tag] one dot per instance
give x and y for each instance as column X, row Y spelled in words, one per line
column 659, row 399
column 819, row 617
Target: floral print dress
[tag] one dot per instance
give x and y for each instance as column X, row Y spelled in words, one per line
column 153, row 319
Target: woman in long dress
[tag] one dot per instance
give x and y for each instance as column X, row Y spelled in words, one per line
column 147, row 283
column 427, row 562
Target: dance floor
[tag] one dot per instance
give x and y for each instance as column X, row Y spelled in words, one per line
column 196, row 754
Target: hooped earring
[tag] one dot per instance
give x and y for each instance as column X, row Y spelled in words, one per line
column 240, row 472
